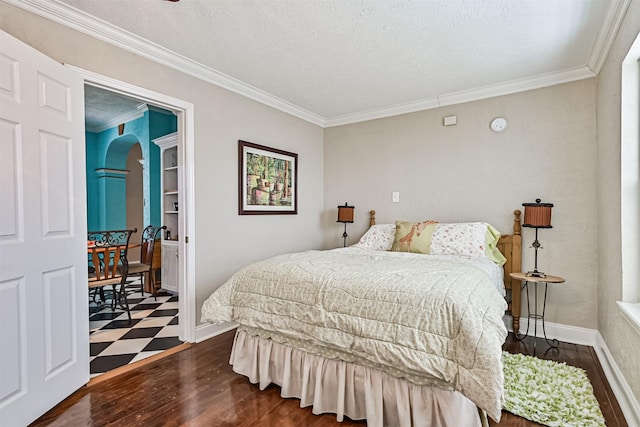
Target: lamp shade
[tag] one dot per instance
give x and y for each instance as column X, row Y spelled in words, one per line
column 537, row 215
column 345, row 213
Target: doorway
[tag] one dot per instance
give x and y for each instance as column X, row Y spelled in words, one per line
column 124, row 174
column 185, row 158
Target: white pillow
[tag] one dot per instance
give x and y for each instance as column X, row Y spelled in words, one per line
column 378, row 238
column 464, row 238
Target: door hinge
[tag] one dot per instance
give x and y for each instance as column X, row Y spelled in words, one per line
column 186, row 239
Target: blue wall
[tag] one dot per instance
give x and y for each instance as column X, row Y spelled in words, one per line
column 106, row 190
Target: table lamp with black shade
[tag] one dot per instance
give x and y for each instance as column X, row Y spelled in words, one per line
column 345, row 215
column 537, row 215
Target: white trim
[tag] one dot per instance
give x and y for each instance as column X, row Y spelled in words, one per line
column 207, row 330
column 186, row 141
column 102, row 30
column 624, row 395
column 122, row 118
column 395, row 110
column 164, row 141
column 80, row 21
column 607, row 34
column 631, row 312
column 506, row 88
column 515, row 86
column 113, row 171
column 566, row 333
column 630, row 173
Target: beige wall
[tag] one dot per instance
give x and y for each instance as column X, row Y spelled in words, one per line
column 622, row 340
column 225, row 240
column 135, row 197
column 468, row 173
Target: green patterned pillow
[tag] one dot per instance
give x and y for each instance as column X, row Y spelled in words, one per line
column 413, row 236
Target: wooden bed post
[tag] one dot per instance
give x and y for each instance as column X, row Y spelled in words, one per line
column 372, row 218
column 515, row 265
column 511, row 247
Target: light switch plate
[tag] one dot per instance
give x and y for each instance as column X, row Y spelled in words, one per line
column 395, row 197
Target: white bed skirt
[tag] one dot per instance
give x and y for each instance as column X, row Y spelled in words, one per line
column 342, row 388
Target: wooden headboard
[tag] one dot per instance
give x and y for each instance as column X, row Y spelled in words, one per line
column 511, row 247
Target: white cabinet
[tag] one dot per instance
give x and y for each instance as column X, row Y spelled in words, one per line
column 170, row 266
column 170, row 188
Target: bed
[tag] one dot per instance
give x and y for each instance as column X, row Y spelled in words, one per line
column 395, row 337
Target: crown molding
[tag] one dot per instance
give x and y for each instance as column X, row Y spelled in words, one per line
column 102, row 30
column 122, row 118
column 607, row 34
column 515, row 86
column 507, row 88
column 395, row 110
column 166, row 140
column 77, row 20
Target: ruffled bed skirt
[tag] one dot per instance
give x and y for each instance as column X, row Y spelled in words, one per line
column 342, row 388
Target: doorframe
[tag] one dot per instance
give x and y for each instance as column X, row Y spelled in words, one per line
column 186, row 221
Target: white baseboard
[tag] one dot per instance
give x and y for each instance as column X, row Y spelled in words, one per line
column 207, row 330
column 583, row 336
column 627, row 401
column 566, row 333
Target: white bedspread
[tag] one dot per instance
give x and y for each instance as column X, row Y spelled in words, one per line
column 430, row 319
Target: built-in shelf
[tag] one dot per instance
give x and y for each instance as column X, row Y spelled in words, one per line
column 170, row 198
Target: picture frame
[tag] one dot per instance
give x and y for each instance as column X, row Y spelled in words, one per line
column 267, row 180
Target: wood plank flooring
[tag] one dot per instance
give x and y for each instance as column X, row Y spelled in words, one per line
column 196, row 387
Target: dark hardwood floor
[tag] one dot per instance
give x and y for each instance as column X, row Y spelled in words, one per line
column 196, row 387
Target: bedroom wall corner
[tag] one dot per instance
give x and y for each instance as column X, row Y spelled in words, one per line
column 620, row 337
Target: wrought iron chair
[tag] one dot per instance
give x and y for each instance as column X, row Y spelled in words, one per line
column 108, row 265
column 144, row 266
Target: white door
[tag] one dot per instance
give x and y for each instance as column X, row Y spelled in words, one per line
column 44, row 326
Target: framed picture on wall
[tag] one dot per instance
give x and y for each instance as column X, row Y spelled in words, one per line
column 267, row 180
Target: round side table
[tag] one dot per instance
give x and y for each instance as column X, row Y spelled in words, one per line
column 526, row 279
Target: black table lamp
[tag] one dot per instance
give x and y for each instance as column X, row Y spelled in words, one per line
column 345, row 215
column 537, row 215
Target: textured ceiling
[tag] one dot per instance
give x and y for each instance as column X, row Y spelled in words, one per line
column 335, row 58
column 103, row 107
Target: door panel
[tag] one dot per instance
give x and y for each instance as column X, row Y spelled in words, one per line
column 56, row 188
column 13, row 329
column 11, row 212
column 58, row 286
column 44, row 322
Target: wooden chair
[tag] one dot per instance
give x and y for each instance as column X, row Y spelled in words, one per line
column 145, row 265
column 108, row 265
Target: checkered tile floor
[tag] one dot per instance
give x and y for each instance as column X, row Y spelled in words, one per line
column 117, row 342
